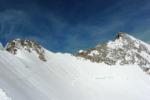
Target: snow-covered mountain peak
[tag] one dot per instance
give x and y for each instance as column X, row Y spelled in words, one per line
column 26, row 46
column 123, row 40
column 125, row 49
column 66, row 77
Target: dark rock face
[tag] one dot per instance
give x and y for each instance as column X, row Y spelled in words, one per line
column 28, row 45
column 123, row 50
column 120, row 34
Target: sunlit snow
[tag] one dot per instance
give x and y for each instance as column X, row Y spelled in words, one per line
column 65, row 77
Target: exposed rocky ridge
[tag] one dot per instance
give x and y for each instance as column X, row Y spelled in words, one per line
column 28, row 45
column 125, row 49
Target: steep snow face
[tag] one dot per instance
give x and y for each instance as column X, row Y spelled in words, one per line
column 125, row 49
column 3, row 95
column 26, row 46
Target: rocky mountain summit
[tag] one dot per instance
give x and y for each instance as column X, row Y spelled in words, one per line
column 28, row 45
column 124, row 50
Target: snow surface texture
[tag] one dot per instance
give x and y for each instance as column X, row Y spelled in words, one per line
column 24, row 76
column 3, row 95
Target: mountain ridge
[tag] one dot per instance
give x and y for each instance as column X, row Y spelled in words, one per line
column 63, row 76
column 125, row 49
column 26, row 45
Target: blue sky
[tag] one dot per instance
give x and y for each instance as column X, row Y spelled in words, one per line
column 70, row 25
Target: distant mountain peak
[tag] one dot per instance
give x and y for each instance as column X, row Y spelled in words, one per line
column 125, row 49
column 124, row 37
column 27, row 45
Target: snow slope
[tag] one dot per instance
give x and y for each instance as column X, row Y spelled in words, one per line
column 24, row 76
column 64, row 77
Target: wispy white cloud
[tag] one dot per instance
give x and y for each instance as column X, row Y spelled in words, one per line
column 56, row 32
column 10, row 20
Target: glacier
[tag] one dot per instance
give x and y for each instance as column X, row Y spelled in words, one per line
column 63, row 76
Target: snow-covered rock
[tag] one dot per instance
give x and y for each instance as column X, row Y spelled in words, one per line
column 66, row 77
column 124, row 50
column 26, row 46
